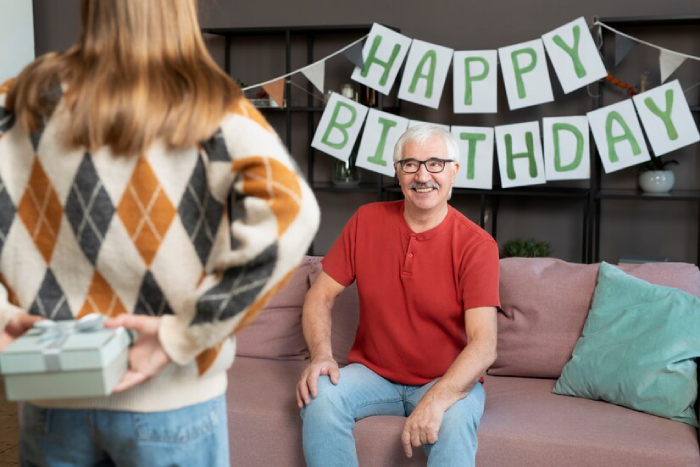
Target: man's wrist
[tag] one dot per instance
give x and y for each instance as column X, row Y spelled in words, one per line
column 444, row 396
column 323, row 355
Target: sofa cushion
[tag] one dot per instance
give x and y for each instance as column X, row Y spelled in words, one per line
column 345, row 318
column 544, row 304
column 637, row 348
column 525, row 425
column 276, row 332
column 265, row 423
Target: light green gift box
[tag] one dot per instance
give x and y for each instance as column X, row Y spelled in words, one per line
column 78, row 363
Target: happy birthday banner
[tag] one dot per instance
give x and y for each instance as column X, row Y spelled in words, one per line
column 524, row 158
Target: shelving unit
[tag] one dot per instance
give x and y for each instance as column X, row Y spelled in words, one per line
column 598, row 194
column 588, row 199
column 384, row 188
column 310, row 34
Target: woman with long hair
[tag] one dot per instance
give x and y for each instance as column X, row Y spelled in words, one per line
column 118, row 158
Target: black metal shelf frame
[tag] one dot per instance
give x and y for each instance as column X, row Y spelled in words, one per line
column 382, row 191
column 590, row 197
column 597, row 194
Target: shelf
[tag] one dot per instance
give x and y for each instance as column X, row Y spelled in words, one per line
column 330, row 187
column 355, row 28
column 674, row 195
column 640, row 21
column 635, row 195
column 313, row 109
column 534, row 192
column 541, row 192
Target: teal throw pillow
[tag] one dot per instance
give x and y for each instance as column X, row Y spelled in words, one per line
column 637, row 348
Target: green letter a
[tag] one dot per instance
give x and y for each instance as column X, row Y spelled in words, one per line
column 430, row 57
column 625, row 136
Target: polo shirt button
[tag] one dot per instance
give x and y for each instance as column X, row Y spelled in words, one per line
column 410, row 255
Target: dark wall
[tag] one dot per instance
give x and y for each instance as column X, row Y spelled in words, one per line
column 628, row 228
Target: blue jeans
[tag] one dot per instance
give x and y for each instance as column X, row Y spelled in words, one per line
column 330, row 418
column 194, row 435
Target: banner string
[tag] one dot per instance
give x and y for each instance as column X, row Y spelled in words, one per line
column 692, row 57
column 304, row 90
column 307, row 66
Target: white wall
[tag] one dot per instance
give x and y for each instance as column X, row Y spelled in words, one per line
column 16, row 37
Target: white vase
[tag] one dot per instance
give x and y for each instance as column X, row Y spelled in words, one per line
column 656, row 181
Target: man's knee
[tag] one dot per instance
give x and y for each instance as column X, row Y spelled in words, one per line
column 327, row 403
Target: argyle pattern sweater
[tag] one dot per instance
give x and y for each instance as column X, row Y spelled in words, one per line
column 96, row 232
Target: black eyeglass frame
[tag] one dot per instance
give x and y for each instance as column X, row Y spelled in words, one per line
column 425, row 163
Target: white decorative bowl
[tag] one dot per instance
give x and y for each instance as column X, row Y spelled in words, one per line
column 657, row 181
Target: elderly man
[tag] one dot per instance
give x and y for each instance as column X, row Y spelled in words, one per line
column 427, row 279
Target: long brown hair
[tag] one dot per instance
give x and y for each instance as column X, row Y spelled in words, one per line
column 140, row 71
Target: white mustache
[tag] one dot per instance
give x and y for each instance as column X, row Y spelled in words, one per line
column 416, row 185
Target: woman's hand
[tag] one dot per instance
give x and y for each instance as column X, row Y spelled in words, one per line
column 146, row 357
column 18, row 325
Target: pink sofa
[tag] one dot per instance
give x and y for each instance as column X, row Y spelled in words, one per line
column 545, row 304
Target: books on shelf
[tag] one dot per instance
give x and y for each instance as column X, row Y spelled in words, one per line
column 633, row 259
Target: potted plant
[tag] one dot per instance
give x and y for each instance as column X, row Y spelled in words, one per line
column 525, row 248
column 654, row 177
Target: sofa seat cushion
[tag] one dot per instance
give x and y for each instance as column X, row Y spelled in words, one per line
column 263, row 418
column 265, row 424
column 525, row 425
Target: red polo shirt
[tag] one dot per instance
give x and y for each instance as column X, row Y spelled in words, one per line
column 413, row 288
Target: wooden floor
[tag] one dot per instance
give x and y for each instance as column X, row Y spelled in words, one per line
column 9, row 431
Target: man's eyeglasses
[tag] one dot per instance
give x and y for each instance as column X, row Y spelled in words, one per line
column 432, row 165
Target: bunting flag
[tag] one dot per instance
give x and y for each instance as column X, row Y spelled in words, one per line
column 623, row 45
column 316, row 73
column 354, row 55
column 276, row 91
column 665, row 115
column 668, row 63
column 571, row 49
column 617, row 132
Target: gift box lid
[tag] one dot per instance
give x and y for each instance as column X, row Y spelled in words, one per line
column 33, row 353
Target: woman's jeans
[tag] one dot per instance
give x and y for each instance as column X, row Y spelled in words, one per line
column 330, row 418
column 193, row 435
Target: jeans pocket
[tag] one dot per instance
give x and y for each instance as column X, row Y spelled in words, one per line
column 35, row 420
column 178, row 426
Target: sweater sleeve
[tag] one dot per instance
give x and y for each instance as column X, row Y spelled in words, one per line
column 277, row 221
column 6, row 314
column 7, row 310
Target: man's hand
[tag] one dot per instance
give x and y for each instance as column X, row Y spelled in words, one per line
column 423, row 426
column 18, row 325
column 146, row 357
column 308, row 383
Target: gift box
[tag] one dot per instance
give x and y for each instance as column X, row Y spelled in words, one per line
column 65, row 359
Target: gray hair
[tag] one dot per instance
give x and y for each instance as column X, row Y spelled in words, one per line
column 424, row 132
